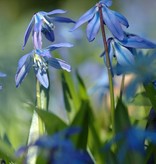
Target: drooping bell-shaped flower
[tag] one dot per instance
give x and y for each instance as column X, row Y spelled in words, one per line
column 40, row 59
column 43, row 22
column 123, row 50
column 112, row 19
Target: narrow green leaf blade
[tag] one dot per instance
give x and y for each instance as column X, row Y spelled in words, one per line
column 151, row 94
column 122, row 121
column 82, row 120
column 51, row 121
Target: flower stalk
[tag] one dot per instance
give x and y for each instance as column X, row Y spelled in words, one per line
column 39, row 107
column 122, row 86
column 108, row 65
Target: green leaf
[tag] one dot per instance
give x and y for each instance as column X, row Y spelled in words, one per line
column 151, row 94
column 51, row 121
column 95, row 143
column 141, row 99
column 82, row 120
column 150, row 153
column 110, row 157
column 81, row 87
column 41, row 159
column 6, row 152
column 66, row 93
column 71, row 97
column 122, row 121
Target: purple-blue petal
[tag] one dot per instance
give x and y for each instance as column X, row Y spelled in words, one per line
column 63, row 20
column 130, row 90
column 37, row 38
column 121, row 19
column 112, row 23
column 85, row 18
column 108, row 3
column 23, row 70
column 110, row 52
column 28, row 31
column 2, row 74
column 59, row 45
column 23, row 59
column 123, row 55
column 57, row 11
column 59, row 64
column 38, row 23
column 42, row 77
column 93, row 27
column 135, row 41
column 48, row 33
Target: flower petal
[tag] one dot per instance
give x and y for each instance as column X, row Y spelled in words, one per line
column 135, row 41
column 121, row 19
column 28, row 31
column 2, row 74
column 37, row 38
column 130, row 90
column 38, row 22
column 108, row 3
column 59, row 64
column 84, row 18
column 23, row 70
column 23, row 59
column 59, row 45
column 57, row 11
column 124, row 56
column 42, row 77
column 48, row 33
column 112, row 23
column 110, row 51
column 63, row 19
column 93, row 27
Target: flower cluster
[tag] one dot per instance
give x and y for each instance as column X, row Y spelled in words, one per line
column 122, row 44
column 40, row 58
column 111, row 19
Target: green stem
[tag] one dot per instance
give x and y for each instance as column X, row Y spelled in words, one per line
column 122, row 86
column 39, row 107
column 108, row 65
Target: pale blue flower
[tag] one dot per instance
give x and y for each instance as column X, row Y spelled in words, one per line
column 40, row 59
column 131, row 141
column 58, row 148
column 143, row 69
column 112, row 19
column 43, row 22
column 124, row 51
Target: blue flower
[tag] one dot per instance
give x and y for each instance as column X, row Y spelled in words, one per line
column 132, row 141
column 135, row 41
column 2, row 75
column 59, row 147
column 143, row 69
column 124, row 51
column 111, row 19
column 100, row 88
column 40, row 59
column 123, row 55
column 42, row 22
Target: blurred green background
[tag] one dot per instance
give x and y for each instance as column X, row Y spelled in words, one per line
column 14, row 17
